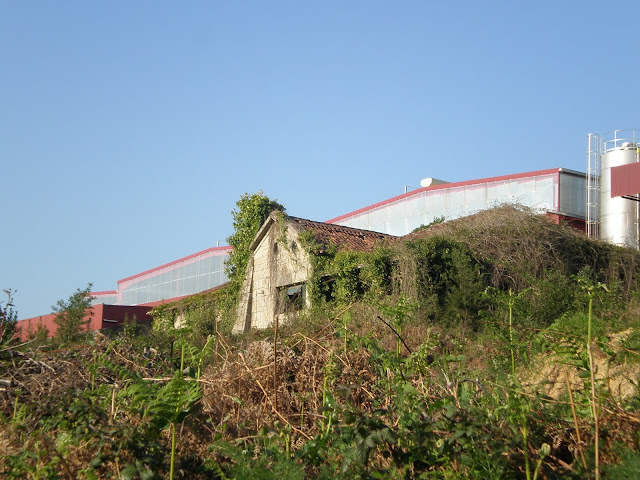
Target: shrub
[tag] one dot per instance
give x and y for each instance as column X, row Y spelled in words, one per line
column 73, row 315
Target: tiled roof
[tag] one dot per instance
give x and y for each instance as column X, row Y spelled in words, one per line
column 345, row 238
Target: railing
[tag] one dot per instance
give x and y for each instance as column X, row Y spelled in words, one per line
column 617, row 139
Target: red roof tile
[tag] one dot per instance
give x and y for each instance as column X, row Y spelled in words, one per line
column 345, row 238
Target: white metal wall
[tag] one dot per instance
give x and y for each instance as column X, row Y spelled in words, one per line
column 193, row 275
column 560, row 192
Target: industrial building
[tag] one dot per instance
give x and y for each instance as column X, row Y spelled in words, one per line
column 137, row 294
column 99, row 317
column 178, row 279
column 613, row 184
column 603, row 202
column 557, row 192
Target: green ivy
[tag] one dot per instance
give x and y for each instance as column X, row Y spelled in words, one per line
column 448, row 280
column 250, row 213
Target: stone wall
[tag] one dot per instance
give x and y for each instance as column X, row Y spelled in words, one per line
column 277, row 261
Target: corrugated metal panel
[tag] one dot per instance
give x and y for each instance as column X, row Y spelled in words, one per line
column 400, row 215
column 625, row 180
column 193, row 274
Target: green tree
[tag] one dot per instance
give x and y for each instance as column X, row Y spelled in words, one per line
column 73, row 315
column 250, row 213
column 8, row 318
column 41, row 335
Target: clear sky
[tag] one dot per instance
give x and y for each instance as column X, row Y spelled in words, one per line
column 129, row 129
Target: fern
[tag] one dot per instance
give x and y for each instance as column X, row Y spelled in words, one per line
column 173, row 401
column 194, row 357
column 159, row 406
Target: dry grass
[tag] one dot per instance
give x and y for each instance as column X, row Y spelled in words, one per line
column 240, row 394
column 517, row 244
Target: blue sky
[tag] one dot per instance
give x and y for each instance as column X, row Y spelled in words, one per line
column 128, row 130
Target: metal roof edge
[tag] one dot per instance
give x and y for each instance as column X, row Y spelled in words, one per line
column 188, row 257
column 572, row 172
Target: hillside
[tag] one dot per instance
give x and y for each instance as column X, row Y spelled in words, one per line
column 495, row 346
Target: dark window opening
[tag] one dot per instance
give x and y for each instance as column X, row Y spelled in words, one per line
column 291, row 298
column 326, row 287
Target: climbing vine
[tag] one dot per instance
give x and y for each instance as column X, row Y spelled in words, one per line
column 250, row 213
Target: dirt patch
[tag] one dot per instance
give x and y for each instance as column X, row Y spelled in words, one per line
column 553, row 373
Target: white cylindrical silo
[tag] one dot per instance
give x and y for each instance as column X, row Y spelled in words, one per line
column 618, row 216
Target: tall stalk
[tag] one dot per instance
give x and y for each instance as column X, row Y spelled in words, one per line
column 275, row 365
column 345, row 321
column 591, row 288
column 510, row 303
column 173, row 424
column 515, row 398
column 594, row 406
column 525, row 441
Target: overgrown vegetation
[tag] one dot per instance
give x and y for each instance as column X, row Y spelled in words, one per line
column 250, row 213
column 485, row 347
column 8, row 318
column 73, row 315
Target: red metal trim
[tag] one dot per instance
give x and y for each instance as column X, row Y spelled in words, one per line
column 106, row 292
column 218, row 250
column 501, row 178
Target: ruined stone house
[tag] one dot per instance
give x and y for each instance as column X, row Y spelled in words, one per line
column 275, row 282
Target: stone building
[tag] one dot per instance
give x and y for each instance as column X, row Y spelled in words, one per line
column 279, row 267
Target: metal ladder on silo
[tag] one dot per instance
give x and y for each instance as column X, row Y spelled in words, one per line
column 593, row 185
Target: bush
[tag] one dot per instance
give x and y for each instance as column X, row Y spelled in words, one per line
column 73, row 315
column 8, row 318
column 445, row 278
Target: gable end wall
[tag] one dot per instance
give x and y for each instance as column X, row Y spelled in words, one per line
column 278, row 260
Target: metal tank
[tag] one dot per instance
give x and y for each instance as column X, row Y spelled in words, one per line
column 618, row 216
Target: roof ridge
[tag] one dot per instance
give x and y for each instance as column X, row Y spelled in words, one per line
column 345, row 228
